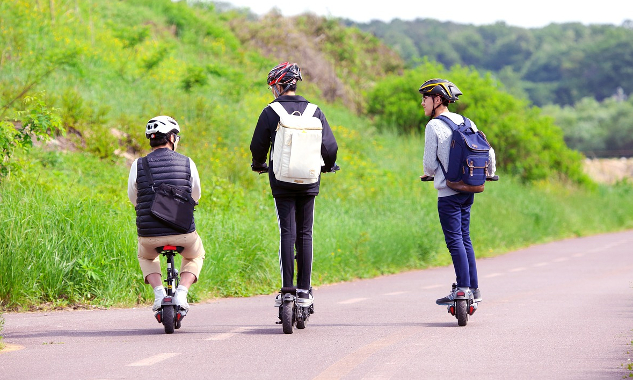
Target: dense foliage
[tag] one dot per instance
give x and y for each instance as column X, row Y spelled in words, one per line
column 559, row 63
column 35, row 121
column 531, row 146
column 598, row 129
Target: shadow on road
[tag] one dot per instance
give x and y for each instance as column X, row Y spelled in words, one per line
column 69, row 333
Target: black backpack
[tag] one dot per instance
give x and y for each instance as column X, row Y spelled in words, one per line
column 469, row 158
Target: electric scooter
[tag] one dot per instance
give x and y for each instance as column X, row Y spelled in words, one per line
column 170, row 314
column 291, row 314
column 464, row 304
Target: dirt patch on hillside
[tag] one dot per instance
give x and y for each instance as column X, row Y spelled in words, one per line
column 609, row 170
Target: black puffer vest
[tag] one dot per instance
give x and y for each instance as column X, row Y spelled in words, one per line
column 169, row 167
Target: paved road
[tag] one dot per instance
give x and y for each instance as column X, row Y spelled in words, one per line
column 562, row 310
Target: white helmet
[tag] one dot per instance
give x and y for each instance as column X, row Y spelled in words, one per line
column 161, row 124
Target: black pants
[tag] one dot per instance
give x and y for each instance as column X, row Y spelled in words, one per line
column 295, row 216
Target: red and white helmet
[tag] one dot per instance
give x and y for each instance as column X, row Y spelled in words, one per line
column 285, row 74
column 161, row 124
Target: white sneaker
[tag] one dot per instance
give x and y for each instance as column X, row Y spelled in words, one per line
column 181, row 297
column 159, row 294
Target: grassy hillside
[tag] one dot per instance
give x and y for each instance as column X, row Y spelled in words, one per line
column 68, row 233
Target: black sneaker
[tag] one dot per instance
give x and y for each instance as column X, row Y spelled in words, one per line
column 304, row 299
column 476, row 294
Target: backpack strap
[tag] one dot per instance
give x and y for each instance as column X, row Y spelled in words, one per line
column 278, row 108
column 281, row 111
column 310, row 110
column 148, row 172
column 451, row 124
column 448, row 121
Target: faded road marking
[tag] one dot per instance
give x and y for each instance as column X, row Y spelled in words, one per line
column 229, row 334
column 494, row 275
column 10, row 348
column 518, row 269
column 154, row 359
column 344, row 366
column 394, row 293
column 561, row 259
column 541, row 264
column 432, row 287
column 352, row 300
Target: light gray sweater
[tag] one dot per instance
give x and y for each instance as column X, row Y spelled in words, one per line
column 437, row 141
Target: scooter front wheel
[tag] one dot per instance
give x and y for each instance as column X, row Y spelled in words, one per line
column 287, row 317
column 461, row 312
column 302, row 314
column 168, row 319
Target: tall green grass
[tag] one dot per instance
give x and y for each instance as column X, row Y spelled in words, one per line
column 68, row 232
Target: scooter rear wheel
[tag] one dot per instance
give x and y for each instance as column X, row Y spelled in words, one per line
column 461, row 312
column 287, row 317
column 168, row 319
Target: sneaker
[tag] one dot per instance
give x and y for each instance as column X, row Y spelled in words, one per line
column 476, row 294
column 451, row 297
column 181, row 297
column 304, row 298
column 159, row 293
column 278, row 300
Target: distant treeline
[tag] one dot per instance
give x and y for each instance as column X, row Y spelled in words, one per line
column 557, row 64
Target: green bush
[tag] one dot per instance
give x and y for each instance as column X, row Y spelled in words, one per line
column 35, row 121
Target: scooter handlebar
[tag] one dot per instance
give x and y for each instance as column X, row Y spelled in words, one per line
column 426, row 178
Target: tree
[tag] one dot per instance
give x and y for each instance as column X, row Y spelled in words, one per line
column 35, row 121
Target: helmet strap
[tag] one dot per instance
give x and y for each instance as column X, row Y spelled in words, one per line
column 276, row 93
column 434, row 106
column 285, row 89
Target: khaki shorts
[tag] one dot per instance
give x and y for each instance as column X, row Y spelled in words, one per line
column 192, row 255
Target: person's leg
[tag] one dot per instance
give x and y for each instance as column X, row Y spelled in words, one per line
column 191, row 265
column 149, row 261
column 449, row 210
column 285, row 207
column 192, row 257
column 468, row 245
column 305, row 222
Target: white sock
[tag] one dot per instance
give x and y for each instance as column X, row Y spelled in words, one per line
column 182, row 289
column 159, row 292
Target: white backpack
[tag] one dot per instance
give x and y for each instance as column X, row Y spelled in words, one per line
column 297, row 147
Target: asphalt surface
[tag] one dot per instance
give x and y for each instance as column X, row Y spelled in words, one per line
column 562, row 310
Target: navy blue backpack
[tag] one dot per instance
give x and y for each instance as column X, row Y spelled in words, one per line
column 468, row 159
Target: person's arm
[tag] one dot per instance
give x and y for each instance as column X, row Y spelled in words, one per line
column 329, row 147
column 196, row 189
column 132, row 190
column 260, row 143
column 430, row 162
column 492, row 166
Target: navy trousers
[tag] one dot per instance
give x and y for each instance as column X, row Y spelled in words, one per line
column 454, row 214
